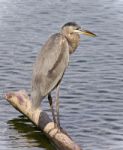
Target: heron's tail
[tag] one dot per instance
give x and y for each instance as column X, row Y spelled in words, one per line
column 36, row 99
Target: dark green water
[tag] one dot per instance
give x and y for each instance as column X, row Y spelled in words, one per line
column 91, row 96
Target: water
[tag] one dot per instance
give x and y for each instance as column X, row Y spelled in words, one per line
column 91, row 96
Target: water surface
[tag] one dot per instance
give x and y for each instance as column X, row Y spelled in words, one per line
column 91, row 96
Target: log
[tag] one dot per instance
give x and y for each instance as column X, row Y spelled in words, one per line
column 20, row 101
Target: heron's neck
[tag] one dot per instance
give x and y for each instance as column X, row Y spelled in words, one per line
column 73, row 42
column 73, row 46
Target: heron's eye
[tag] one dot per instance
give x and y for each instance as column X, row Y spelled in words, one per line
column 78, row 28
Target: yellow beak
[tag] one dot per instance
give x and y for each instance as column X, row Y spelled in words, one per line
column 85, row 32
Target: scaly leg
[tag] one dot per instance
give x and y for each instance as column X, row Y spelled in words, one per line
column 57, row 106
column 51, row 106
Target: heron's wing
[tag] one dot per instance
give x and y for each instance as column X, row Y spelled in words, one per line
column 51, row 63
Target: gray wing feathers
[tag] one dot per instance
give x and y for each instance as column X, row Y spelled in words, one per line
column 50, row 64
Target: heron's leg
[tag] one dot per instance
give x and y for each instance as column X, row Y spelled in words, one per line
column 57, row 106
column 51, row 106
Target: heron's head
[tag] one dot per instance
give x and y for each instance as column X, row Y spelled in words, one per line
column 72, row 28
column 72, row 31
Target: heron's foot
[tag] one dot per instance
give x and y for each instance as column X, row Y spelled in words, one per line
column 55, row 125
column 58, row 127
column 63, row 131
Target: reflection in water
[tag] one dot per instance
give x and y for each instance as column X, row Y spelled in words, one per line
column 24, row 133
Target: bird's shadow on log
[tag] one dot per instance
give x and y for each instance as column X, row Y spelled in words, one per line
column 27, row 130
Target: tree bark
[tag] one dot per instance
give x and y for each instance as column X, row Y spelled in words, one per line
column 22, row 103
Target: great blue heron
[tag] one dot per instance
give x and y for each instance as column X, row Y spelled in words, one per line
column 52, row 62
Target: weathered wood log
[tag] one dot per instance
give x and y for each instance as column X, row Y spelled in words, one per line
column 22, row 103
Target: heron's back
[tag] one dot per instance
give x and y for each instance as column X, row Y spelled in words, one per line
column 50, row 64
